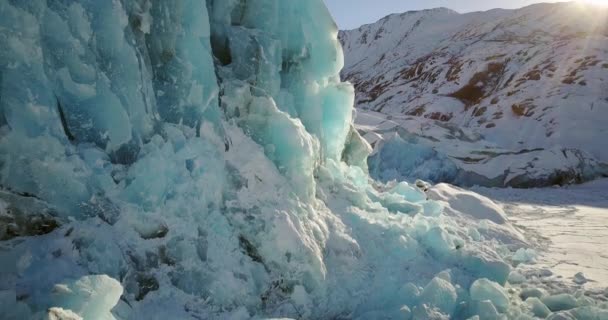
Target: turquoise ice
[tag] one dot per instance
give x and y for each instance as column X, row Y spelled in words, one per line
column 197, row 160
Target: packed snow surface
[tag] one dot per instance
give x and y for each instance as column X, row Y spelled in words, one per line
column 198, row 160
column 568, row 225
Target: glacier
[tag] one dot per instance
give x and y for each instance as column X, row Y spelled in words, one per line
column 410, row 148
column 198, row 160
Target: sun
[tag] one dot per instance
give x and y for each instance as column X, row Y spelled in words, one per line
column 596, row 2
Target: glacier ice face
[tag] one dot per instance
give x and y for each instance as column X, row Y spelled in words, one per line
column 202, row 154
column 409, row 148
column 402, row 159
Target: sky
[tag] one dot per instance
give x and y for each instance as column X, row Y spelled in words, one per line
column 350, row 14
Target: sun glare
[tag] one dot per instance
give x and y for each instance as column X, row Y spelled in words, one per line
column 596, row 2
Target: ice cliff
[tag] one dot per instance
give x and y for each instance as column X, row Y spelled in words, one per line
column 197, row 160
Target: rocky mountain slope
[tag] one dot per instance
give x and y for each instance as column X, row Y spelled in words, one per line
column 531, row 85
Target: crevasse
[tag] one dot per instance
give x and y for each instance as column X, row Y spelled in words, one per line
column 197, row 160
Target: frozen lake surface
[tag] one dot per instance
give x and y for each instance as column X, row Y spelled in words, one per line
column 569, row 226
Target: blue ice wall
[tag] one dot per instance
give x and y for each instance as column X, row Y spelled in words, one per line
column 406, row 159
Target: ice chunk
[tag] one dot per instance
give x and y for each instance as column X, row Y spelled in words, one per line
column 423, row 312
column 532, row 292
column 524, row 255
column 439, row 241
column 485, row 309
column 589, row 312
column 180, row 55
column 564, row 315
column 285, row 140
column 409, row 192
column 579, row 278
column 559, row 302
column 90, row 297
column 404, row 159
column 406, row 312
column 538, row 308
column 356, row 150
column 484, row 289
column 409, row 293
column 439, row 294
column 516, row 277
column 445, row 275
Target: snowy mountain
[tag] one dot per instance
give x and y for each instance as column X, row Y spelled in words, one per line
column 528, row 86
column 198, row 160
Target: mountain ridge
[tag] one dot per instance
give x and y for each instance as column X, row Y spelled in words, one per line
column 540, row 71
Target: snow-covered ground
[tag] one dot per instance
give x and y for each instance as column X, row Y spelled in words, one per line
column 526, row 88
column 569, row 228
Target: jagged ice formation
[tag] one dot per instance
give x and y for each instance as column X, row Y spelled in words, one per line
column 197, row 160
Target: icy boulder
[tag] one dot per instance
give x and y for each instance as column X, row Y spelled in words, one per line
column 538, row 308
column 90, row 297
column 484, row 289
column 439, row 294
column 560, row 302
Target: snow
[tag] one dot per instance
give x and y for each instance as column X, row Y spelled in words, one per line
column 497, row 98
column 213, row 173
column 468, row 202
column 61, row 314
column 568, row 226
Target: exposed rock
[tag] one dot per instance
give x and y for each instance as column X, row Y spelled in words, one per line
column 24, row 216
